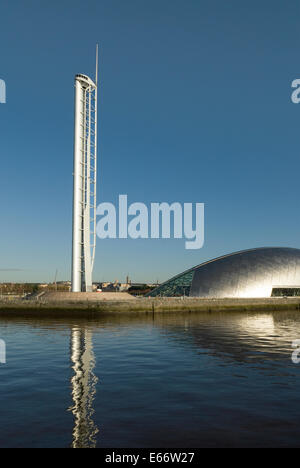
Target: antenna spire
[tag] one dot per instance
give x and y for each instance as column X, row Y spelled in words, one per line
column 97, row 54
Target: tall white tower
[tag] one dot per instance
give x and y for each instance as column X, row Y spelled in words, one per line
column 85, row 178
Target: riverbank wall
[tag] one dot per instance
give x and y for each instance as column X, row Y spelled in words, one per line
column 92, row 304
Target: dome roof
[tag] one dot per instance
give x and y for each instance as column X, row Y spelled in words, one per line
column 249, row 273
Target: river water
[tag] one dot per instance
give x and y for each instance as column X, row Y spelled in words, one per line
column 189, row 380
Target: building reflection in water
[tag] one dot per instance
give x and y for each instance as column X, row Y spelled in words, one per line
column 237, row 337
column 259, row 339
column 83, row 384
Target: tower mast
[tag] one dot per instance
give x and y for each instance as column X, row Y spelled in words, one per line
column 85, row 178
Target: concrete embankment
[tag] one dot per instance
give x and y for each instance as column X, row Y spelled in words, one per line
column 101, row 304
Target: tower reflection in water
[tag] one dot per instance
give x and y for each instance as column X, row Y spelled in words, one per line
column 83, row 384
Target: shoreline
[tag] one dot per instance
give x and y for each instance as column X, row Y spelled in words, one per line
column 136, row 306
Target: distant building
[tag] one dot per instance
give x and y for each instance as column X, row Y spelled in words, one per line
column 116, row 286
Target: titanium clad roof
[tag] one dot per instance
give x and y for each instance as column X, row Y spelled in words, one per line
column 246, row 274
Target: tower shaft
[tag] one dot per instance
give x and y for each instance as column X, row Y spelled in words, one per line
column 85, row 177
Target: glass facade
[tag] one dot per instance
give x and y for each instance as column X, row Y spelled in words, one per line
column 284, row 292
column 176, row 287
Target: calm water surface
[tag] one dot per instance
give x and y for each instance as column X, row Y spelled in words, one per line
column 205, row 380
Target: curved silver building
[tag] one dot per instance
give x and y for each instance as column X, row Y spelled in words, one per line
column 263, row 272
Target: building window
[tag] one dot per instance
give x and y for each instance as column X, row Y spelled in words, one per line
column 177, row 287
column 281, row 292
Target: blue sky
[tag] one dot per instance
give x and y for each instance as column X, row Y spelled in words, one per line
column 194, row 107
